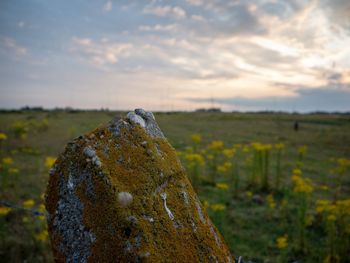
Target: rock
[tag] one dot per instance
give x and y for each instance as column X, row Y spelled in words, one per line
column 120, row 194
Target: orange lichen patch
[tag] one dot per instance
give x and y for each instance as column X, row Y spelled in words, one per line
column 163, row 220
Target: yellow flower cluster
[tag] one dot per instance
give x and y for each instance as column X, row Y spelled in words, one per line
column 279, row 146
column 3, row 136
column 271, row 201
column 42, row 236
column 261, row 147
column 228, row 152
column 28, row 203
column 13, row 171
column 249, row 194
column 297, row 171
column 196, row 138
column 282, row 242
column 302, row 185
column 302, row 149
column 224, row 167
column 7, row 160
column 216, row 145
column 222, row 186
column 218, row 207
column 49, row 162
column 4, row 211
column 342, row 165
column 194, row 158
column 340, row 207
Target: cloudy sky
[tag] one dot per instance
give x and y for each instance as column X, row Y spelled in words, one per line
column 291, row 55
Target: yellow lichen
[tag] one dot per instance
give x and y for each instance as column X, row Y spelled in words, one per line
column 144, row 167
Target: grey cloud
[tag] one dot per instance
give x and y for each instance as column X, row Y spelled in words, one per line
column 338, row 12
column 307, row 100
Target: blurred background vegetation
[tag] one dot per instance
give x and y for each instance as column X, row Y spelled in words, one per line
column 276, row 193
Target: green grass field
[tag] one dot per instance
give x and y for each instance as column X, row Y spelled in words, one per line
column 264, row 224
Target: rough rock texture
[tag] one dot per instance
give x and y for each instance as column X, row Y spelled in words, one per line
column 120, row 194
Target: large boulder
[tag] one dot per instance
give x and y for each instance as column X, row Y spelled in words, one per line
column 120, row 194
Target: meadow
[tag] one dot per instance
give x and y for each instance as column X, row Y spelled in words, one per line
column 276, row 194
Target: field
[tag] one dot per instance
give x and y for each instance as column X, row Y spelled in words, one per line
column 276, row 194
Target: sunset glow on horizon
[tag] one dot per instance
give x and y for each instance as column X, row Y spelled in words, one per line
column 176, row 55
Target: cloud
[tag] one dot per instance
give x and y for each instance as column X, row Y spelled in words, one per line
column 158, row 27
column 174, row 11
column 100, row 53
column 338, row 12
column 306, row 99
column 108, row 6
column 11, row 44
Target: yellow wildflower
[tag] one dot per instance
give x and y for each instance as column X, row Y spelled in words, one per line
column 25, row 219
column 195, row 158
column 249, row 194
column 28, row 203
column 196, row 138
column 42, row 236
column 271, row 201
column 228, row 152
column 210, row 157
column 324, row 187
column 41, row 218
column 41, row 208
column 237, row 146
column 224, row 167
column 297, row 171
column 302, row 185
column 7, row 160
column 13, row 171
column 49, row 161
column 279, row 146
column 3, row 136
column 216, row 145
column 257, row 146
column 246, row 149
column 302, row 149
column 222, row 186
column 4, row 211
column 343, row 162
column 343, row 206
column 205, row 204
column 218, row 207
column 309, row 219
column 325, row 206
column 282, row 242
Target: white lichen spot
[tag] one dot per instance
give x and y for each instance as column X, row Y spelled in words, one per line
column 145, row 255
column 133, row 117
column 200, row 213
column 185, row 197
column 96, row 161
column 170, row 214
column 217, row 240
column 70, row 184
column 149, row 219
column 194, row 227
column 89, row 152
column 124, row 198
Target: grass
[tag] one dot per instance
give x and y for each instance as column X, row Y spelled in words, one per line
column 249, row 227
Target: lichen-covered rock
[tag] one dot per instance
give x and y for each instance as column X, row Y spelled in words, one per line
column 120, row 194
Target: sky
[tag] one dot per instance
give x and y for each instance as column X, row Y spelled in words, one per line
column 287, row 55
